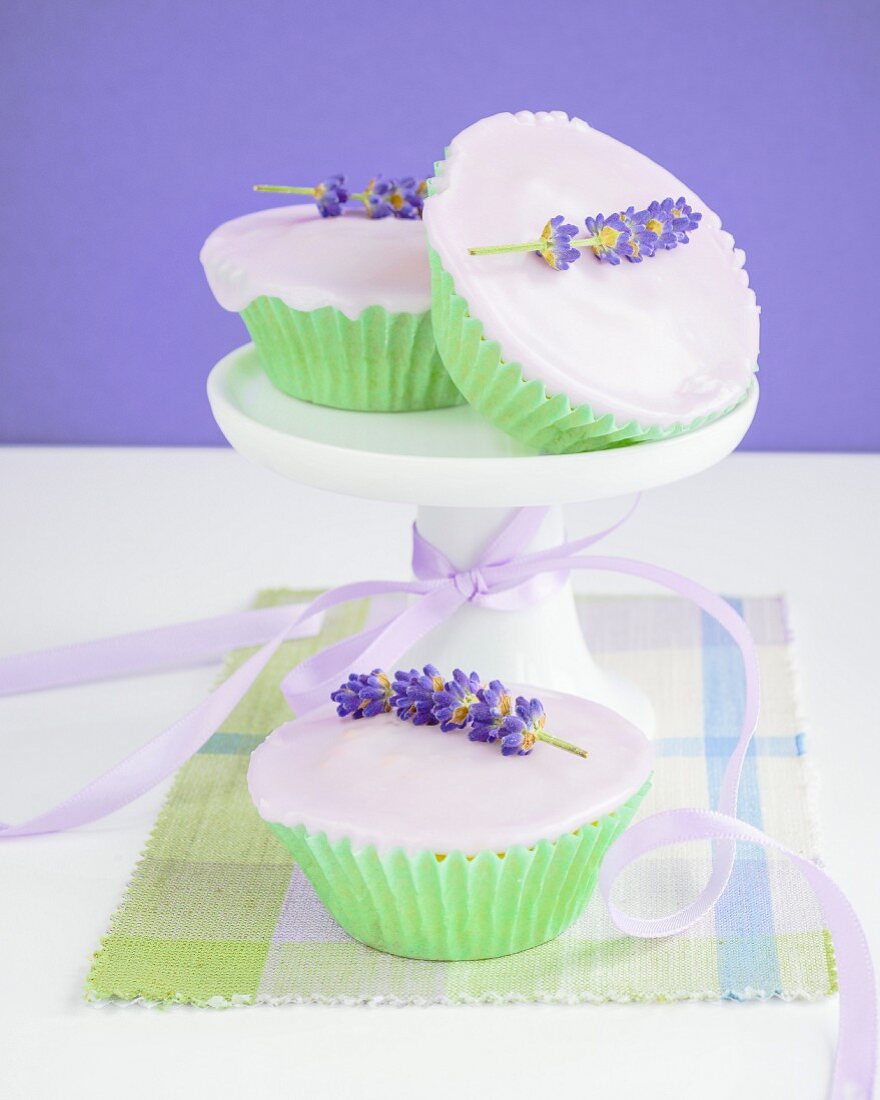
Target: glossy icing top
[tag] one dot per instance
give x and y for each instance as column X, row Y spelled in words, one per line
column 662, row 342
column 385, row 782
column 292, row 253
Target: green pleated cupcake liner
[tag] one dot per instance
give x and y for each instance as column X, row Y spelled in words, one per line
column 380, row 362
column 456, row 906
column 500, row 393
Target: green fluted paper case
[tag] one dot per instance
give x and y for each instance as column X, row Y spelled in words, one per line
column 525, row 410
column 453, row 906
column 380, row 362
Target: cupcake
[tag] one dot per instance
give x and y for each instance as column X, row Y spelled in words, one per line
column 423, row 844
column 338, row 307
column 648, row 330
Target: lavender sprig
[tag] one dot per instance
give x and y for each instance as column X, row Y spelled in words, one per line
column 381, row 198
column 632, row 235
column 425, row 699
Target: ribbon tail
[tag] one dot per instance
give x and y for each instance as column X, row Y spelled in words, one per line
column 855, row 1063
column 856, row 1059
column 151, row 650
column 155, row 761
column 148, row 650
column 309, row 685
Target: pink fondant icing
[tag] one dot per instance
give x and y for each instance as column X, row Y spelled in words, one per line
column 385, row 782
column 662, row 342
column 292, row 253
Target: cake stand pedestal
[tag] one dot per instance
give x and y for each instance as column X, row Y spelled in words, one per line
column 466, row 477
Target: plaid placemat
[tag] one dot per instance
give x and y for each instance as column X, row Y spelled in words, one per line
column 217, row 914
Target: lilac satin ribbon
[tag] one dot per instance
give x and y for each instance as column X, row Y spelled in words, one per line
column 505, row 578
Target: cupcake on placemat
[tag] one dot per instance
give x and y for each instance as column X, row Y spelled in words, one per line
column 336, row 295
column 583, row 296
column 450, row 823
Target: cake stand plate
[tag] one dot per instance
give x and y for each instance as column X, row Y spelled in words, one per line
column 465, row 477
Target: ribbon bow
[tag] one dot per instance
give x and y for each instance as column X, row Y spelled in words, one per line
column 504, row 578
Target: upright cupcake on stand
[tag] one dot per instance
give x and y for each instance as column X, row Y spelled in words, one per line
column 336, row 295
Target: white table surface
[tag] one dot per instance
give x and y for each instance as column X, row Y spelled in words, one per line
column 100, row 541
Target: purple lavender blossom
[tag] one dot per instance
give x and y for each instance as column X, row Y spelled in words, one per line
column 516, row 725
column 363, row 695
column 453, row 704
column 506, row 730
column 684, row 219
column 643, row 241
column 484, row 734
column 403, row 198
column 377, row 197
column 330, row 195
column 408, row 197
column 413, row 695
column 672, row 221
column 609, row 237
column 531, row 713
column 514, row 739
column 490, row 712
column 658, row 221
column 556, row 247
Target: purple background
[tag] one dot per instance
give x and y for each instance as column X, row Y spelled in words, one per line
column 129, row 130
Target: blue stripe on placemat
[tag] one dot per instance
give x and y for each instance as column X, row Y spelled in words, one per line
column 744, row 914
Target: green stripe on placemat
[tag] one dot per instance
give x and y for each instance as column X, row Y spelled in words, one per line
column 217, row 914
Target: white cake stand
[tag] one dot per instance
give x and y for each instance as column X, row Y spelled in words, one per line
column 465, row 478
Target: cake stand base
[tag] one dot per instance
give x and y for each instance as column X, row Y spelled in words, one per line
column 466, row 477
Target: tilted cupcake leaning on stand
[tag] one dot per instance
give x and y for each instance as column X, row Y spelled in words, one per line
column 574, row 329
column 336, row 295
column 448, row 824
